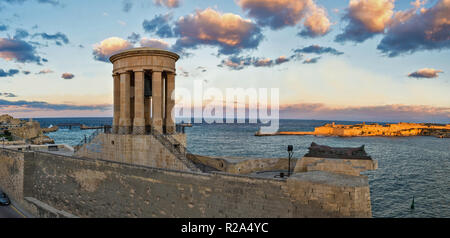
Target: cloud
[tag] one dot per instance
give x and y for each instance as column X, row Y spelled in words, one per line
column 67, row 76
column 134, row 38
column 182, row 72
column 281, row 60
column 425, row 73
column 278, row 14
column 18, row 50
column 236, row 62
column 26, row 72
column 316, row 49
column 8, row 73
column 3, row 27
column 20, row 34
column 30, row 105
column 194, row 73
column 366, row 18
column 126, row 5
column 275, row 13
column 429, row 29
column 316, row 24
column 45, row 71
column 159, row 25
column 51, row 2
column 201, row 69
column 8, row 95
column 168, row 3
column 103, row 50
column 230, row 32
column 58, row 37
column 311, row 60
column 154, row 43
column 366, row 113
column 239, row 62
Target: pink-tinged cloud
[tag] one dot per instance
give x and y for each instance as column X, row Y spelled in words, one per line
column 316, row 23
column 425, row 73
column 428, row 29
column 281, row 59
column 154, row 43
column 366, row 18
column 168, row 3
column 18, row 51
column 230, row 32
column 278, row 14
column 311, row 60
column 45, row 71
column 105, row 49
column 67, row 76
column 22, row 105
column 417, row 4
column 263, row 62
column 382, row 113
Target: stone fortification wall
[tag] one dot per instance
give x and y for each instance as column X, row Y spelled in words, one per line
column 340, row 166
column 399, row 129
column 12, row 173
column 133, row 149
column 99, row 188
column 237, row 165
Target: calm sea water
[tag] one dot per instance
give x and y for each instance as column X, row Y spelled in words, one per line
column 409, row 167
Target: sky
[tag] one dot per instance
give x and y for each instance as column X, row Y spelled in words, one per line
column 371, row 60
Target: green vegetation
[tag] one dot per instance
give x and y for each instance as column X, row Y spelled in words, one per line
column 7, row 135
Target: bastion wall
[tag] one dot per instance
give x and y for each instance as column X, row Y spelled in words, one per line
column 133, row 149
column 98, row 188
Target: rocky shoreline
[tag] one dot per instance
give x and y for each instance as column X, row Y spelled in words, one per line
column 15, row 131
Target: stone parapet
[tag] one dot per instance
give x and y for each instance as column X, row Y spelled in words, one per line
column 340, row 166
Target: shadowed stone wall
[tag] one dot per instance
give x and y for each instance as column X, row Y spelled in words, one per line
column 133, row 149
column 11, row 173
column 98, row 188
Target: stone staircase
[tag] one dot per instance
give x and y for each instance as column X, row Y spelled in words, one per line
column 181, row 152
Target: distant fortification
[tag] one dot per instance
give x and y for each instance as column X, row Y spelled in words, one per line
column 399, row 129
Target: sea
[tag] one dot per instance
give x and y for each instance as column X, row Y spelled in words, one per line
column 408, row 167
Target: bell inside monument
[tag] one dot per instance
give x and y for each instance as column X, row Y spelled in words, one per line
column 147, row 84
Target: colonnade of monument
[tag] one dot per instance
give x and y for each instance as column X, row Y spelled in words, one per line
column 143, row 101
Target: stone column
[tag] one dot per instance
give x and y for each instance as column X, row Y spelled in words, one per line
column 157, row 101
column 170, row 103
column 116, row 119
column 125, row 117
column 139, row 119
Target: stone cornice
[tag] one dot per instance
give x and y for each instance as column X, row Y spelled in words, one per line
column 144, row 51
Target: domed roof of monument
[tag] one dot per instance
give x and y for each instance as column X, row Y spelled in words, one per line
column 143, row 51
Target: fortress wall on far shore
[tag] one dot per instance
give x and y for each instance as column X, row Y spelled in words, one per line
column 98, row 188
